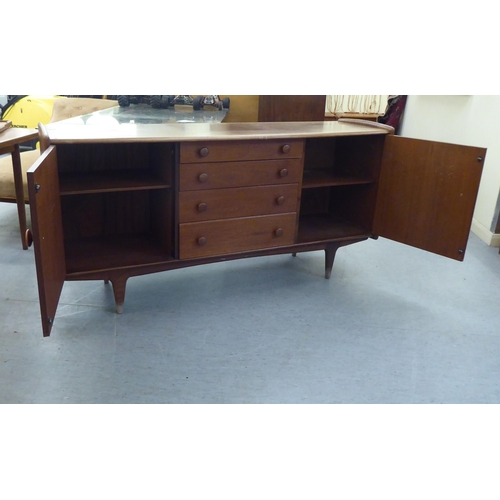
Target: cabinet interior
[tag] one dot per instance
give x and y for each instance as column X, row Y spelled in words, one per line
column 339, row 187
column 117, row 204
column 90, row 168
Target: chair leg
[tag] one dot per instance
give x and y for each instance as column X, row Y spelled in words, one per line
column 18, row 182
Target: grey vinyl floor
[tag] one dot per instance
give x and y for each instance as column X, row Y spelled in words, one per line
column 393, row 325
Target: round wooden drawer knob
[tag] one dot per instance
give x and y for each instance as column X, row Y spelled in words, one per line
column 283, row 172
column 203, row 178
column 28, row 238
column 202, row 241
column 278, row 232
column 202, row 207
column 280, row 200
column 204, row 152
column 286, row 148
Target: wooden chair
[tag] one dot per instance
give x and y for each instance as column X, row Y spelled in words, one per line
column 63, row 108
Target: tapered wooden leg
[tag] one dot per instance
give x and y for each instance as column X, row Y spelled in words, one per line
column 330, row 252
column 119, row 284
column 18, row 183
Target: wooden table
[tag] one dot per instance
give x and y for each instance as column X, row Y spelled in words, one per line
column 10, row 140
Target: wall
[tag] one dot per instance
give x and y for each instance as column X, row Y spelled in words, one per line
column 472, row 120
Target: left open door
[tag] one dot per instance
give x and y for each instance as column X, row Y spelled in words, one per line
column 46, row 219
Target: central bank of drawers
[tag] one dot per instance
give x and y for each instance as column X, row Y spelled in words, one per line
column 236, row 196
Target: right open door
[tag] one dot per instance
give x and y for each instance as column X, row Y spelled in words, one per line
column 426, row 194
column 45, row 206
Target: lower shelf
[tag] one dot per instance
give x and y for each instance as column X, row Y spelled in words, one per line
column 85, row 255
column 112, row 252
column 325, row 227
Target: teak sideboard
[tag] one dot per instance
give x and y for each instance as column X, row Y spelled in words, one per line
column 109, row 203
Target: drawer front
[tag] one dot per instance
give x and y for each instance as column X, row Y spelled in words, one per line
column 239, row 174
column 221, row 237
column 213, row 151
column 238, row 202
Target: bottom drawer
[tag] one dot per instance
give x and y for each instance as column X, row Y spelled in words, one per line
column 220, row 237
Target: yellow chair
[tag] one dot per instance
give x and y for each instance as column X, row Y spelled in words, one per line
column 63, row 108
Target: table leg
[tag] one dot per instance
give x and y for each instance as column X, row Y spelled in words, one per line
column 330, row 251
column 119, row 283
column 18, row 182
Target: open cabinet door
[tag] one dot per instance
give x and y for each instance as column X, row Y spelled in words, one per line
column 45, row 206
column 426, row 194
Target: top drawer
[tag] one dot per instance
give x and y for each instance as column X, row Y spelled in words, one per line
column 217, row 151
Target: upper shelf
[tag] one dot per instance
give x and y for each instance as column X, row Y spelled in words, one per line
column 103, row 182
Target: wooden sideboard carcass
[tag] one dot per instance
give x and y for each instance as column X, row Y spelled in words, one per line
column 113, row 203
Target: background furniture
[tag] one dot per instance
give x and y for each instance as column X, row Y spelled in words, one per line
column 13, row 184
column 79, row 106
column 27, row 158
column 290, row 108
column 274, row 108
column 114, row 203
column 12, row 178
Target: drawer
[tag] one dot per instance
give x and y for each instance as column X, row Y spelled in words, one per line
column 213, row 151
column 237, row 202
column 194, row 176
column 221, row 237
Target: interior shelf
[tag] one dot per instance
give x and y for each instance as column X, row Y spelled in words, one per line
column 116, row 180
column 325, row 227
column 112, row 252
column 314, row 178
